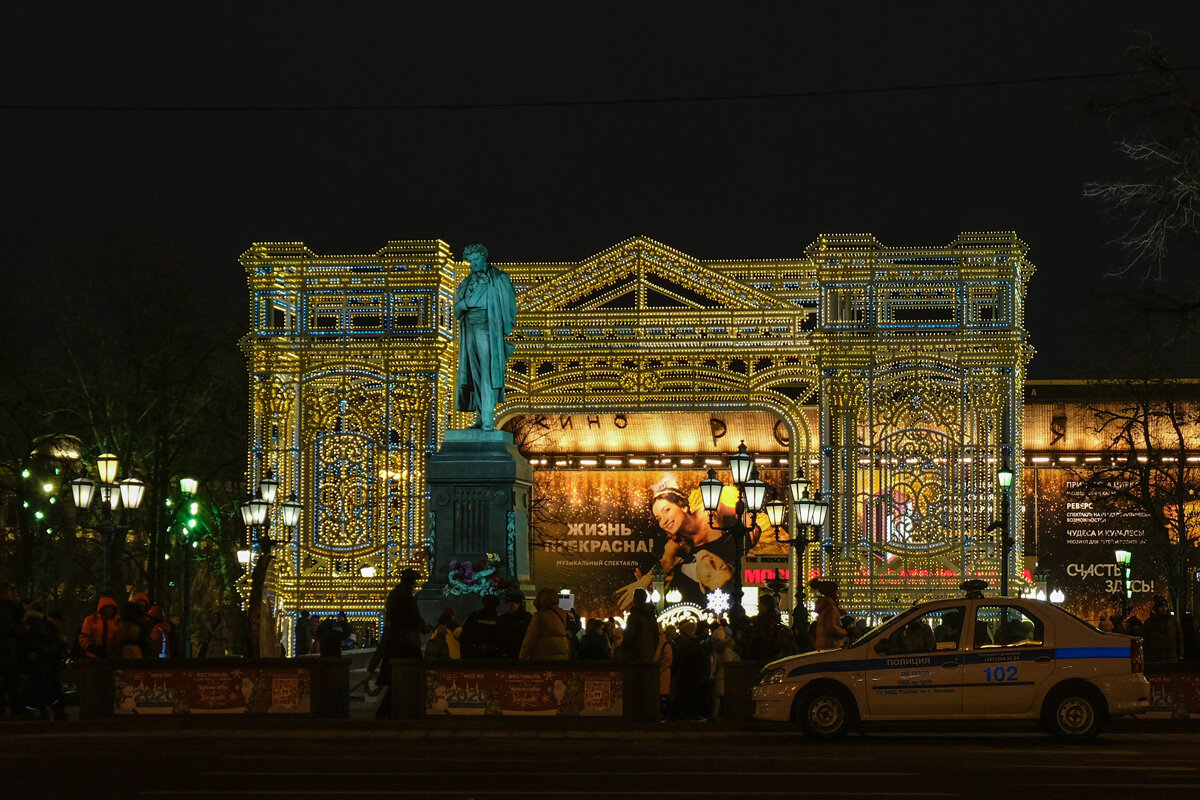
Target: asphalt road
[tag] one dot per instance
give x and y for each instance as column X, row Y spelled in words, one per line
column 577, row 765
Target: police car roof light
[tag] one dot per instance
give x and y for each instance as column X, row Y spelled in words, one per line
column 974, row 587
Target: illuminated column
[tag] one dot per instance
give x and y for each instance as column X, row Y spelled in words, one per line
column 841, row 397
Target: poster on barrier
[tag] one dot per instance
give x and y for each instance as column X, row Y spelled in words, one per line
column 225, row 691
column 579, row 693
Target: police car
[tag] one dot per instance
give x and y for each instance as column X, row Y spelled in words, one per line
column 968, row 658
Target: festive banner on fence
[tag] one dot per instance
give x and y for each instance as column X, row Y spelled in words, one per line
column 225, row 691
column 580, row 693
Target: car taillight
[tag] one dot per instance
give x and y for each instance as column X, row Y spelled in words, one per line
column 1137, row 661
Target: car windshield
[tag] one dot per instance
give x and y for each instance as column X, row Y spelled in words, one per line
column 886, row 625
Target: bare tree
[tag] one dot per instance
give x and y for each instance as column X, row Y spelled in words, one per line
column 531, row 435
column 1160, row 116
column 115, row 349
column 1151, row 431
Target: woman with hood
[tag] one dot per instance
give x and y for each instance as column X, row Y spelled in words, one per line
column 98, row 636
column 546, row 637
column 828, row 633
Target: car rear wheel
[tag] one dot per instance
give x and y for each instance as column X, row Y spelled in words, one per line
column 826, row 712
column 1074, row 716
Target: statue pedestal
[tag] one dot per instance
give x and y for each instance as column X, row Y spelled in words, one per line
column 479, row 490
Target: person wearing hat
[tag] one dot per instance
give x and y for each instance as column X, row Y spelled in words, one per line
column 402, row 629
column 514, row 623
column 142, row 600
column 482, row 634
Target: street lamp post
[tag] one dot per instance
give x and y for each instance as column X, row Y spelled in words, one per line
column 809, row 513
column 188, row 487
column 257, row 518
column 1124, row 557
column 752, row 492
column 1004, row 477
column 113, row 494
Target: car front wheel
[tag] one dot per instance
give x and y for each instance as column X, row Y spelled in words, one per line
column 825, row 713
column 1073, row 716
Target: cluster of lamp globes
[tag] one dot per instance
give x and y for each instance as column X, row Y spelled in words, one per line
column 113, row 493
column 809, row 510
column 256, row 508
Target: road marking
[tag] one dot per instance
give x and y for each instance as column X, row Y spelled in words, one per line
column 1126, row 785
column 574, row 773
column 740, row 793
column 390, row 758
column 1121, row 767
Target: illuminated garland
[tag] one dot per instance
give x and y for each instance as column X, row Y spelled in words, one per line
column 913, row 357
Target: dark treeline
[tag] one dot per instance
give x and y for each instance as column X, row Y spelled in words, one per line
column 120, row 348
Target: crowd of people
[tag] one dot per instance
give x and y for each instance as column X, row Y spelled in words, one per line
column 1164, row 637
column 692, row 656
column 35, row 645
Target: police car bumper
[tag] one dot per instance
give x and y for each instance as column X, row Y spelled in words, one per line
column 773, row 703
column 1126, row 694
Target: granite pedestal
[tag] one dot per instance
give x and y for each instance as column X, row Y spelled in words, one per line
column 479, row 492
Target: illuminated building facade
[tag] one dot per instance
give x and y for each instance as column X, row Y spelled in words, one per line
column 894, row 376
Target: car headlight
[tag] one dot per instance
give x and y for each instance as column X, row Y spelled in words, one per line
column 770, row 676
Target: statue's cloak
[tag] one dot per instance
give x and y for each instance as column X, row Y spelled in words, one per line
column 501, row 312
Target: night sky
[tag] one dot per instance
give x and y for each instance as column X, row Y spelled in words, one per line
column 515, row 167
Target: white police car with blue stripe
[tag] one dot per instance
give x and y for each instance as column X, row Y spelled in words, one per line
column 964, row 659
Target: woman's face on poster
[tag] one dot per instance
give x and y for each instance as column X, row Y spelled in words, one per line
column 711, row 570
column 669, row 516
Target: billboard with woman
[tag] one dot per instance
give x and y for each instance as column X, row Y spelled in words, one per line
column 606, row 531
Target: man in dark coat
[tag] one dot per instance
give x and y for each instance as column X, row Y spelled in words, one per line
column 12, row 631
column 594, row 645
column 515, row 623
column 332, row 634
column 688, row 673
column 46, row 650
column 641, row 630
column 402, row 629
column 483, row 634
column 1162, row 633
column 304, row 634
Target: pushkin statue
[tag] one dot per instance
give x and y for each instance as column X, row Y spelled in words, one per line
column 485, row 307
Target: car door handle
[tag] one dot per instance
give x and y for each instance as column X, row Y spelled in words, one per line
column 950, row 665
column 1043, row 659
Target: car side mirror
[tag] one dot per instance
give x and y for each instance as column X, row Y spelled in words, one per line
column 883, row 646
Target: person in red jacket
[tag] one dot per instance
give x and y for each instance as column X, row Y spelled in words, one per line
column 160, row 632
column 98, row 635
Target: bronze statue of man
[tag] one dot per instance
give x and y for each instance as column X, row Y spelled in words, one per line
column 485, row 306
